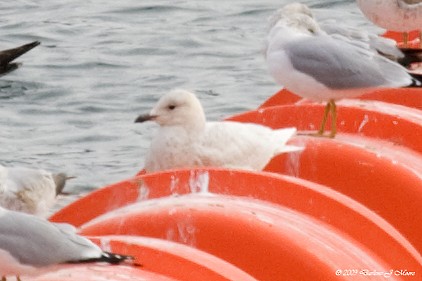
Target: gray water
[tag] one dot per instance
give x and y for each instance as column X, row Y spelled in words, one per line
column 72, row 104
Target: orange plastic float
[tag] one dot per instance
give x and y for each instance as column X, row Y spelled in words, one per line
column 93, row 272
column 173, row 260
column 308, row 199
column 410, row 97
column 370, row 170
column 102, row 201
column 155, row 259
column 270, row 242
column 397, row 124
column 387, row 180
column 398, row 37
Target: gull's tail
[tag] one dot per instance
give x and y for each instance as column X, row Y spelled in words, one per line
column 107, row 257
column 7, row 56
column 416, row 80
column 283, row 136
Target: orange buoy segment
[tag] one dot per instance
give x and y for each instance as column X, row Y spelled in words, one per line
column 265, row 240
column 155, row 259
column 93, row 272
column 387, row 180
column 99, row 202
column 173, row 260
column 397, row 124
column 410, row 97
column 413, row 39
column 344, row 173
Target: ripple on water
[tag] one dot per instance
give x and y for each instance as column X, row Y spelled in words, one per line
column 72, row 104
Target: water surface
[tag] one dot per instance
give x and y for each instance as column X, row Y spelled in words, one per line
column 72, row 105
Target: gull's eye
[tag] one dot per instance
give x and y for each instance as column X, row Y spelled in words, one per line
column 171, row 107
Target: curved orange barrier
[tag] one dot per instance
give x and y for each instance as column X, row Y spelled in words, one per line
column 101, row 201
column 294, row 193
column 364, row 169
column 397, row 124
column 267, row 241
column 398, row 37
column 155, row 260
column 172, row 260
column 410, row 97
column 386, row 180
column 360, row 174
column 99, row 272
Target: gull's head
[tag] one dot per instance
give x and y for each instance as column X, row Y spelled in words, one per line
column 295, row 25
column 176, row 108
column 288, row 11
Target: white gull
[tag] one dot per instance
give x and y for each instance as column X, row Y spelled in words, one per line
column 185, row 139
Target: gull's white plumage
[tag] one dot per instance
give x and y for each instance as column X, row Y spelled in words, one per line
column 185, row 139
column 27, row 190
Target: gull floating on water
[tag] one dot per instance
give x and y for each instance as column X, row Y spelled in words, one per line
column 28, row 190
column 185, row 139
column 7, row 56
column 322, row 67
column 31, row 246
column 394, row 15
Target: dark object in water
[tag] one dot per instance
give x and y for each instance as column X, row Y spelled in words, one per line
column 7, row 56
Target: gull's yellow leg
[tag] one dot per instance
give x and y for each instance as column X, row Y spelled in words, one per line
column 18, row 278
column 333, row 109
column 3, row 278
column 405, row 39
column 324, row 119
column 420, row 39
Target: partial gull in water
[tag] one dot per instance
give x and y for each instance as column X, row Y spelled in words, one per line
column 8, row 56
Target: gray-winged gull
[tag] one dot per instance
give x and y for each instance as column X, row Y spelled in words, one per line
column 321, row 67
column 31, row 246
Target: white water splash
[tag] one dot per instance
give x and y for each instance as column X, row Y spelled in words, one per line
column 174, row 183
column 183, row 231
column 293, row 159
column 363, row 123
column 143, row 193
column 186, row 231
column 199, row 182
